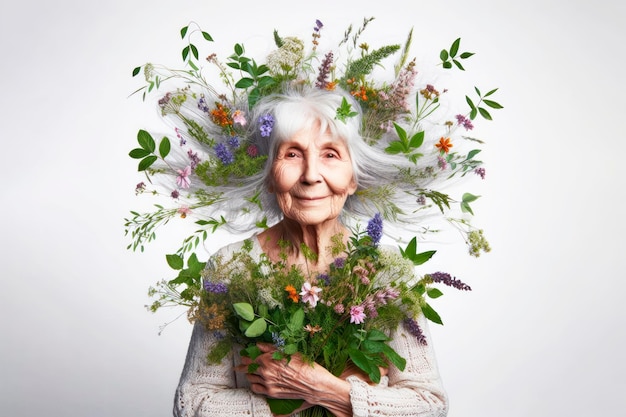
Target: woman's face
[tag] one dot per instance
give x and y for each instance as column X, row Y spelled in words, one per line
column 312, row 177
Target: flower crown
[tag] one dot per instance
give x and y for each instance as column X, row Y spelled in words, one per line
column 215, row 149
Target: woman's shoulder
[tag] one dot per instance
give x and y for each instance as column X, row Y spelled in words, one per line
column 250, row 245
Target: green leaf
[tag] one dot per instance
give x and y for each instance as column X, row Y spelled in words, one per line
column 238, row 49
column 185, row 52
column 377, row 335
column 492, row 104
column 447, row 65
column 470, row 102
column 138, row 153
column 458, row 65
column 395, row 147
column 164, row 147
column 466, row 55
column 397, row 360
column 252, row 352
column 283, row 406
column 484, row 113
column 297, row 320
column 465, row 208
column 244, row 310
column 454, row 49
column 360, row 360
column 207, row 36
column 175, row 261
column 468, row 198
column 443, row 55
column 145, row 141
column 146, row 162
column 257, row 328
column 194, row 51
column 472, row 154
column 423, row 257
column 290, row 349
column 431, row 314
column 434, row 292
column 183, row 32
column 136, row 71
column 244, row 83
column 417, row 140
column 491, row 92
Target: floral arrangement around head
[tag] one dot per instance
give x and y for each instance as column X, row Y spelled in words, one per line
column 343, row 316
column 215, row 150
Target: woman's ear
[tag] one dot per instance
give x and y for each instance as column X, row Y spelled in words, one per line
column 352, row 186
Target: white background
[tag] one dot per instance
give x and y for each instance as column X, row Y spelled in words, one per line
column 542, row 332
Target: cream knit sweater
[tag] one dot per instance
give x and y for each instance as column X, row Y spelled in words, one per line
column 207, row 390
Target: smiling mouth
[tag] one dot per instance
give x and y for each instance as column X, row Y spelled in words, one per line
column 311, row 198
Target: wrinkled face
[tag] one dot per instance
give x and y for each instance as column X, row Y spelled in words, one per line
column 312, row 177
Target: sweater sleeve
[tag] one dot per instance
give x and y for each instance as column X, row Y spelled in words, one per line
column 207, row 390
column 417, row 391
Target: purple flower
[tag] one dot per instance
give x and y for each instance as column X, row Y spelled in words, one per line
column 233, row 142
column 324, row 71
column 480, row 171
column 222, row 152
column 193, row 158
column 448, row 280
column 375, row 228
column 339, row 262
column 464, row 121
column 324, row 278
column 267, row 124
column 140, row 188
column 215, row 287
column 175, row 194
column 357, row 314
column 202, row 105
column 318, row 25
column 443, row 164
column 279, row 342
column 414, row 328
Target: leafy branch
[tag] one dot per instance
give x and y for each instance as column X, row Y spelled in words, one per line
column 452, row 56
column 476, row 109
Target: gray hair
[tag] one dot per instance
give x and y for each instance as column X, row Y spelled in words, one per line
column 382, row 182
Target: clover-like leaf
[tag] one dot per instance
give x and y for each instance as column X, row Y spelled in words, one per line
column 244, row 310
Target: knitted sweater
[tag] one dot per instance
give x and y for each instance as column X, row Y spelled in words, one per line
column 207, row 390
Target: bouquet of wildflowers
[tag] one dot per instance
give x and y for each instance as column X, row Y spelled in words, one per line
column 338, row 318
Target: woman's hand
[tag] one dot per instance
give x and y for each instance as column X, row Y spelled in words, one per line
column 296, row 379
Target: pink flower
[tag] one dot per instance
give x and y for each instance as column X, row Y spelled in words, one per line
column 357, row 314
column 239, row 118
column 309, row 294
column 183, row 180
column 184, row 211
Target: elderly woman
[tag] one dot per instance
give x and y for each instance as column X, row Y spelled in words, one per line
column 316, row 163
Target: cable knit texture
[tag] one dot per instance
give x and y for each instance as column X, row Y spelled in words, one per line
column 207, row 390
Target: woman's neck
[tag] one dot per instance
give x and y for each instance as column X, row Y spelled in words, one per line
column 289, row 237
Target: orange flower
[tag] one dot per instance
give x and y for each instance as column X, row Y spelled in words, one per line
column 444, row 145
column 312, row 329
column 292, row 293
column 220, row 116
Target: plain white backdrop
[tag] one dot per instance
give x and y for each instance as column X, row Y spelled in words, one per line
column 542, row 332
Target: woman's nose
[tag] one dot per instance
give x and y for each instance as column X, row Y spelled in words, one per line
column 311, row 173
